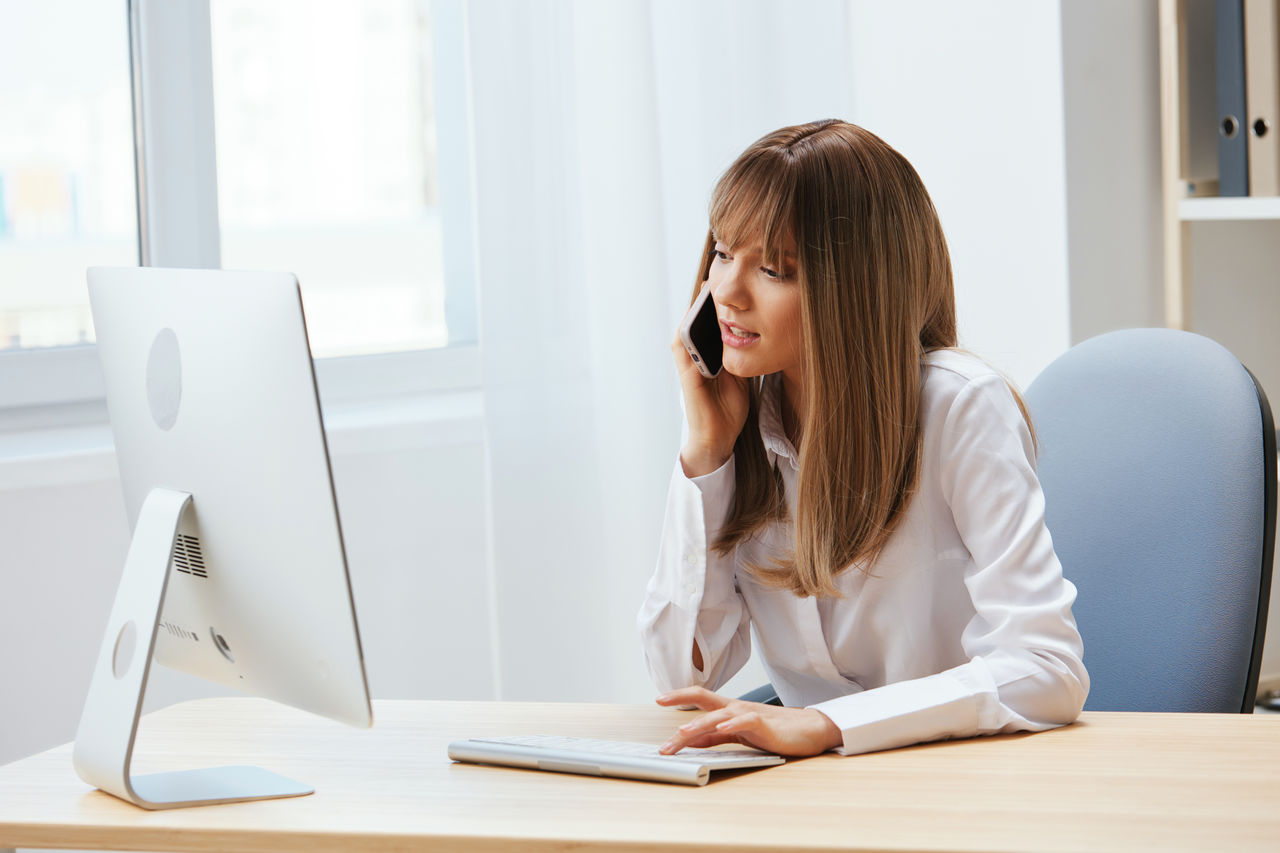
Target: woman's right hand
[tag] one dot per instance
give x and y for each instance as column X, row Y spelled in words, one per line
column 716, row 410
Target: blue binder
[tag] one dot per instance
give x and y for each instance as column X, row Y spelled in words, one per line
column 1233, row 147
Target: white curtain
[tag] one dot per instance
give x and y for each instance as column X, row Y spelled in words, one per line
column 599, row 130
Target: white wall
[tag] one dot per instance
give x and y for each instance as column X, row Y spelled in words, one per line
column 61, row 549
column 1112, row 100
column 971, row 93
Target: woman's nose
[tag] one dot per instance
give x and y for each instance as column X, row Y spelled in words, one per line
column 729, row 288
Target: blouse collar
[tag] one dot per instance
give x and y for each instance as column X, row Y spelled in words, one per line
column 771, row 429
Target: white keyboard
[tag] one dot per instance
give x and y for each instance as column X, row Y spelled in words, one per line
column 619, row 758
column 710, row 757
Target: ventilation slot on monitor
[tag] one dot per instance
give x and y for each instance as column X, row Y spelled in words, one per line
column 187, row 556
column 179, row 631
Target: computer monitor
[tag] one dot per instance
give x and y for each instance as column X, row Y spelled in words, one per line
column 236, row 570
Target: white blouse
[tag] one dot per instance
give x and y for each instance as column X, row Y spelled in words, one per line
column 963, row 624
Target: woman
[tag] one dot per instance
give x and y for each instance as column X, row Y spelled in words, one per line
column 854, row 490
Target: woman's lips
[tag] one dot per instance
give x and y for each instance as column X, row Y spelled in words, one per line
column 736, row 336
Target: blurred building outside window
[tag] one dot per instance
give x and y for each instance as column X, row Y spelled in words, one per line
column 326, row 158
column 67, row 188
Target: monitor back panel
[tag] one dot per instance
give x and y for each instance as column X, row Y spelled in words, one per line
column 211, row 391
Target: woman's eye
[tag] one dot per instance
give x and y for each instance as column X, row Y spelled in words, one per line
column 719, row 255
column 770, row 272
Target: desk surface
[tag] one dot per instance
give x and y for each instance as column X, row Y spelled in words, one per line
column 1111, row 781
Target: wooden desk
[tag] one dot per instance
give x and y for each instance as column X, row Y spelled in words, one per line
column 1111, row 781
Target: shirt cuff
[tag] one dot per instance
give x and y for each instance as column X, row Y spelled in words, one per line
column 716, row 487
column 948, row 704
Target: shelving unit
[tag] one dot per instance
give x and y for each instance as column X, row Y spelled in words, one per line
column 1187, row 200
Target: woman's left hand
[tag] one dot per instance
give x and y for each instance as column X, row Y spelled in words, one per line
column 785, row 731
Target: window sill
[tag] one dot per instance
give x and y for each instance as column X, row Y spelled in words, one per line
column 56, row 457
column 86, row 453
column 375, row 403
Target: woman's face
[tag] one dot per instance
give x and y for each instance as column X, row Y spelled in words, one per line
column 758, row 306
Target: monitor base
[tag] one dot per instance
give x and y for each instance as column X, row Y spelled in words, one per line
column 103, row 750
column 211, row 785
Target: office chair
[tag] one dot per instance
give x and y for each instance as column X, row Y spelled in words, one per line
column 1158, row 462
column 764, row 693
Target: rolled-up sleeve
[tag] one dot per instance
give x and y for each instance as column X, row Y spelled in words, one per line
column 1025, row 670
column 692, row 595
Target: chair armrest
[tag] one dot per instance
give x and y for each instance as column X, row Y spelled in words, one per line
column 765, row 694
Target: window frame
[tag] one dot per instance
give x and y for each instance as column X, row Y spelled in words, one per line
column 171, row 70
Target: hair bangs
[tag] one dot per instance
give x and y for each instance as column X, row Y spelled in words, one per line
column 754, row 203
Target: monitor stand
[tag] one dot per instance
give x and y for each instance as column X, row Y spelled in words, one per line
column 104, row 742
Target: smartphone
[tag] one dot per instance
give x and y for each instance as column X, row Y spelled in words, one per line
column 700, row 334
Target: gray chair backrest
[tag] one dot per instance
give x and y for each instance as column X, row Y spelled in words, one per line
column 1157, row 458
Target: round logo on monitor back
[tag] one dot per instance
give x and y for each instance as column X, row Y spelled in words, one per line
column 164, row 379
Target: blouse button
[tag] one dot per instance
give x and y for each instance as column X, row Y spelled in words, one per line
column 691, row 587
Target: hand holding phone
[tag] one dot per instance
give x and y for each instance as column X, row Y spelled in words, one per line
column 700, row 334
column 715, row 410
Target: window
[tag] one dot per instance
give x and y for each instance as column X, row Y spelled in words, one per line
column 326, row 162
column 67, row 188
column 340, row 136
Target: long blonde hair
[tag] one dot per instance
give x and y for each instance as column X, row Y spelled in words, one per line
column 875, row 273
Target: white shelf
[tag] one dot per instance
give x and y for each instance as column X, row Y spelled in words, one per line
column 1245, row 207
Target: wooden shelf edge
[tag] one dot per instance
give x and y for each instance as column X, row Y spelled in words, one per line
column 1174, row 158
